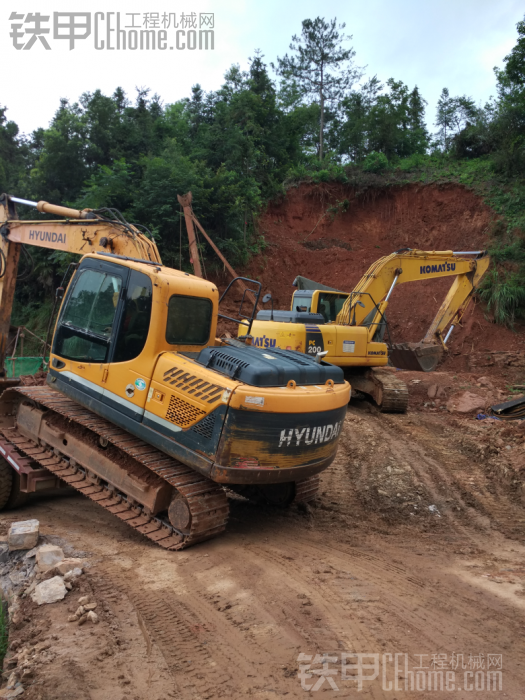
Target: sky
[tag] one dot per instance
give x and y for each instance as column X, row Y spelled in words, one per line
column 444, row 43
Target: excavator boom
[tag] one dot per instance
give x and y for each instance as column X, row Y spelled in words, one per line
column 81, row 232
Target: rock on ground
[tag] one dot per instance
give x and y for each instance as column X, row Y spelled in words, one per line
column 48, row 556
column 49, row 591
column 23, row 535
column 465, row 402
column 67, row 565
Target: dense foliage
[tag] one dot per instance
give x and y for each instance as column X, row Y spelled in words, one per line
column 238, row 146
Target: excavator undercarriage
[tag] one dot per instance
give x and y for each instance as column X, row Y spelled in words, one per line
column 49, row 439
column 389, row 392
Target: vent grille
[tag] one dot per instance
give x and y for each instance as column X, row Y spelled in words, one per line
column 205, row 427
column 227, row 364
column 193, row 386
column 183, row 413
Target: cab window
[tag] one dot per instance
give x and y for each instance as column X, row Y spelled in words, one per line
column 134, row 327
column 86, row 323
column 189, row 320
column 330, row 304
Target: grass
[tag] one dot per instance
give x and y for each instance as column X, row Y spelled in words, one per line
column 35, row 317
column 4, row 630
column 504, row 294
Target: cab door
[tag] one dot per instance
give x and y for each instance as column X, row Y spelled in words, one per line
column 126, row 379
column 86, row 327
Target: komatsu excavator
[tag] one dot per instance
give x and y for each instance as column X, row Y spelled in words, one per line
column 348, row 329
column 145, row 411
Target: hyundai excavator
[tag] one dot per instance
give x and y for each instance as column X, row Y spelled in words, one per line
column 144, row 410
column 348, row 329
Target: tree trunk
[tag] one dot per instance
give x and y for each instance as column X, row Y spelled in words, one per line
column 321, row 128
column 321, row 125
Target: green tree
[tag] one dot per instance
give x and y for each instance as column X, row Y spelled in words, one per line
column 444, row 117
column 320, row 69
column 453, row 115
column 13, row 154
column 508, row 123
column 353, row 134
column 515, row 61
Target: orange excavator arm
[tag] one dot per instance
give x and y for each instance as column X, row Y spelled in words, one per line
column 80, row 231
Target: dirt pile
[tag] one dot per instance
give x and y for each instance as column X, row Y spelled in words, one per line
column 332, row 234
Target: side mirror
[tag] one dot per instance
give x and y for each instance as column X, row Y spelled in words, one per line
column 266, row 298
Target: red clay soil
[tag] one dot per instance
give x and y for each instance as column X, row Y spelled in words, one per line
column 376, row 223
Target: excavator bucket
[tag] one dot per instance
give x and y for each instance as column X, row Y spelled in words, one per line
column 418, row 357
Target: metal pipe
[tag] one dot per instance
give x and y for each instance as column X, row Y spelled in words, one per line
column 448, row 334
column 47, row 208
column 23, row 201
column 467, row 252
column 392, row 287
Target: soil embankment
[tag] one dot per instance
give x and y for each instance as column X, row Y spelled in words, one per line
column 332, row 234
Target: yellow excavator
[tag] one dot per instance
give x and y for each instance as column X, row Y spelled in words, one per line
column 348, row 329
column 145, row 411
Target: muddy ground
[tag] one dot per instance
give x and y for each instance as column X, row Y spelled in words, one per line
column 415, row 547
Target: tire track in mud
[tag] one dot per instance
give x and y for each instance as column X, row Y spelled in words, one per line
column 190, row 662
column 458, row 484
column 437, row 620
column 204, row 629
column 466, row 481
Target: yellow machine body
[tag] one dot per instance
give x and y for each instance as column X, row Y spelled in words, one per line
column 346, row 346
column 230, row 430
column 350, row 327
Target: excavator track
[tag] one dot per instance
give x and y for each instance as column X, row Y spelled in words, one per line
column 307, row 489
column 206, row 500
column 394, row 392
column 388, row 391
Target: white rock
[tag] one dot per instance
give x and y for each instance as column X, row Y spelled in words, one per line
column 72, row 575
column 23, row 535
column 48, row 555
column 93, row 617
column 49, row 591
column 68, row 565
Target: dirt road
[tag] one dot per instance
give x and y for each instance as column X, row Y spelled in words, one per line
column 415, row 547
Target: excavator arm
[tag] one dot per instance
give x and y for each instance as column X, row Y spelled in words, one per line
column 367, row 303
column 80, row 231
column 378, row 282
